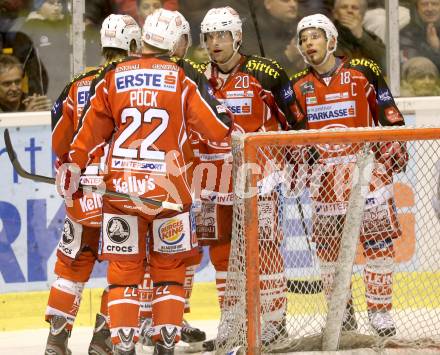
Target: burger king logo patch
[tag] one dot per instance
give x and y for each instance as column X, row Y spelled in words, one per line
column 172, row 231
column 173, row 235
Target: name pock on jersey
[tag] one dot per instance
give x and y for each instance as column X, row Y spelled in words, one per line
column 153, row 79
column 326, row 112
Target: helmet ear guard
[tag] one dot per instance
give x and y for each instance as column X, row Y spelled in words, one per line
column 117, row 31
column 164, row 28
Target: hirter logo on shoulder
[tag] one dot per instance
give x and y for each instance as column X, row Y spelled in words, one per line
column 118, row 230
column 68, row 232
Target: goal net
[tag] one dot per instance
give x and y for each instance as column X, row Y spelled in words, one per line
column 335, row 241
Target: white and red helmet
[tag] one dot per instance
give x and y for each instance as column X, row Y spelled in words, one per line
column 318, row 21
column 117, row 31
column 322, row 22
column 222, row 19
column 164, row 28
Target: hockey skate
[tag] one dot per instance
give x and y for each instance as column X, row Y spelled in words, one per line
column 101, row 343
column 382, row 323
column 349, row 322
column 58, row 337
column 274, row 332
column 194, row 337
column 167, row 344
column 145, row 332
column 126, row 346
column 224, row 334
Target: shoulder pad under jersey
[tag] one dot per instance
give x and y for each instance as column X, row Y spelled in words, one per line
column 200, row 67
column 297, row 76
column 57, row 108
column 367, row 66
column 265, row 70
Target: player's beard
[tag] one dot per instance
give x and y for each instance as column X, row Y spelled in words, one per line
column 316, row 58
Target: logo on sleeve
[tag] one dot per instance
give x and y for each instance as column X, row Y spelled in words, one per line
column 393, row 115
column 118, row 230
column 384, row 96
column 57, row 108
column 82, row 95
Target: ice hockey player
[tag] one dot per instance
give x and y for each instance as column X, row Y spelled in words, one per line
column 145, row 107
column 179, row 41
column 350, row 92
column 258, row 92
column 78, row 246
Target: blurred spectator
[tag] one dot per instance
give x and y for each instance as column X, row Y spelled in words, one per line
column 421, row 37
column 98, row 10
column 310, row 7
column 420, row 77
column 375, row 20
column 145, row 8
column 20, row 45
column 12, row 98
column 278, row 20
column 291, row 58
column 13, row 13
column 48, row 26
column 354, row 40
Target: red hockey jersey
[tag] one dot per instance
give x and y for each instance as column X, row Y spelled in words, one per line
column 66, row 115
column 146, row 107
column 257, row 91
column 355, row 95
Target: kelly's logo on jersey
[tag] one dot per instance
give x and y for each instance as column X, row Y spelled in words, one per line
column 90, row 203
column 132, row 184
column 239, row 106
column 172, row 231
column 152, row 79
column 338, row 110
column 82, row 95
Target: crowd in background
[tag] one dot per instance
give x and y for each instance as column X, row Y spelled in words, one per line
column 36, row 34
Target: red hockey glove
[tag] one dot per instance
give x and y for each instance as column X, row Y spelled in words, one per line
column 67, row 181
column 393, row 155
column 60, row 161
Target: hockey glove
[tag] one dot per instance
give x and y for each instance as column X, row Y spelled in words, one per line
column 393, row 156
column 67, row 181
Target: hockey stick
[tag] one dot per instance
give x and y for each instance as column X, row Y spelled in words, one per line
column 257, row 30
column 86, row 188
column 298, row 286
column 304, row 287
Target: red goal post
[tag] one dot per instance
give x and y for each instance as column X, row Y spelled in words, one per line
column 260, row 156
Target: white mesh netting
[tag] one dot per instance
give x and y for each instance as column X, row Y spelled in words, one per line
column 393, row 298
